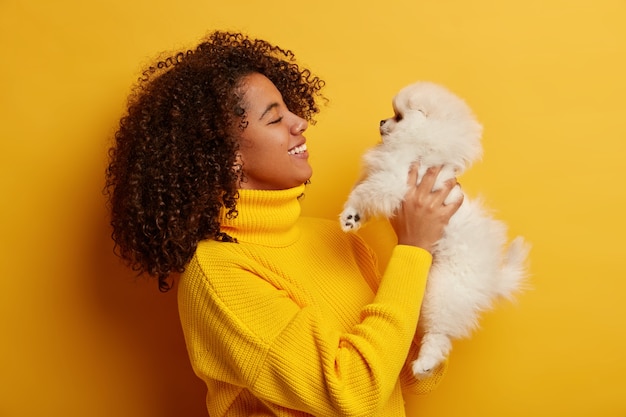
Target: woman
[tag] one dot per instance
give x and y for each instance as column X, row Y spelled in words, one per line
column 282, row 315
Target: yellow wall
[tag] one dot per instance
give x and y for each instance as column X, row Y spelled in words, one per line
column 82, row 337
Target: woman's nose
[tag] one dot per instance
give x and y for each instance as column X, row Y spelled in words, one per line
column 299, row 126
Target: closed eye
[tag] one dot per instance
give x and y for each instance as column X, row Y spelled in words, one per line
column 272, row 122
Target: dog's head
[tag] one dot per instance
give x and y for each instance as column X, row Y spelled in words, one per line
column 435, row 124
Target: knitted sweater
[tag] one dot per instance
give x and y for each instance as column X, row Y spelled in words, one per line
column 295, row 320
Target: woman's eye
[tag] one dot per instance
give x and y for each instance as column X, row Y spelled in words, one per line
column 276, row 121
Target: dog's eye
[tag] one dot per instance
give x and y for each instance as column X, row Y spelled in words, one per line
column 397, row 117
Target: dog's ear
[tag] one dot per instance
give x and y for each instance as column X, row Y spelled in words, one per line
column 416, row 104
column 418, row 112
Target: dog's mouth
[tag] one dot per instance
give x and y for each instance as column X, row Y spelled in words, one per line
column 385, row 126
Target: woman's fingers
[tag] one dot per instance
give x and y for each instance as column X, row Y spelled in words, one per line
column 428, row 182
column 436, row 197
column 413, row 174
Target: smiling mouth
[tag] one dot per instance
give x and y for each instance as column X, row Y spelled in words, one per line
column 298, row 150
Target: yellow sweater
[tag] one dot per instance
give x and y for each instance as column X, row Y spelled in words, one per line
column 294, row 320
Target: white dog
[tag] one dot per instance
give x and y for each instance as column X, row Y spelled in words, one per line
column 472, row 264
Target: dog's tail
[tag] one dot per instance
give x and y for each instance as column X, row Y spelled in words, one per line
column 514, row 269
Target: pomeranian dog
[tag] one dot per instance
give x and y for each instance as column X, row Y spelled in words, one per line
column 473, row 264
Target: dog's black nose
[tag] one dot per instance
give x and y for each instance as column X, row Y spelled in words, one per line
column 382, row 122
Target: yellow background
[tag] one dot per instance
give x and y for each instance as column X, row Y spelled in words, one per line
column 82, row 337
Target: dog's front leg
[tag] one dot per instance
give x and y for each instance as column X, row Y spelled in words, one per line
column 353, row 214
column 376, row 195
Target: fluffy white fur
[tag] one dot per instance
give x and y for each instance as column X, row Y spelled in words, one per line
column 473, row 265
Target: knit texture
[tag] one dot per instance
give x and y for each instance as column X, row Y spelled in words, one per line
column 295, row 320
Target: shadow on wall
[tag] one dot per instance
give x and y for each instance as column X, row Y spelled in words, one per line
column 151, row 359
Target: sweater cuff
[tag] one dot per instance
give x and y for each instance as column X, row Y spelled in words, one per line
column 418, row 257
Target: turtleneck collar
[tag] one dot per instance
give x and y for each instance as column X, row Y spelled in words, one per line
column 266, row 217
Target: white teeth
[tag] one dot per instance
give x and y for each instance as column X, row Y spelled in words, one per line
column 298, row 149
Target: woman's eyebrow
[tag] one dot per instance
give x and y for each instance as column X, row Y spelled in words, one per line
column 268, row 109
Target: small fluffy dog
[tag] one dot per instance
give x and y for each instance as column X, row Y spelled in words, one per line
column 472, row 263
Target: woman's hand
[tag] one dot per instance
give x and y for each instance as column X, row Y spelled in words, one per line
column 421, row 218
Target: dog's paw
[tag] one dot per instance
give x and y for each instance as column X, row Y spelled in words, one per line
column 350, row 220
column 424, row 366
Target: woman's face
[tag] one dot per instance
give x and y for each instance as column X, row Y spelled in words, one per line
column 271, row 147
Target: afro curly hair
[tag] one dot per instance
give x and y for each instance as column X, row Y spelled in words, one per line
column 170, row 170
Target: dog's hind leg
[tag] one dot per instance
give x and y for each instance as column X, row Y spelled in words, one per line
column 434, row 350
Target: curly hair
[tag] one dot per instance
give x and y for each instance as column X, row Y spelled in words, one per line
column 172, row 166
